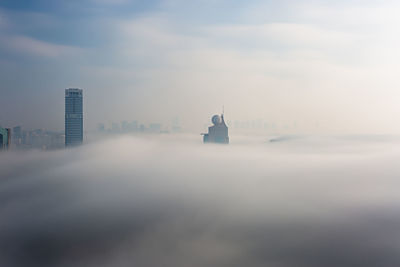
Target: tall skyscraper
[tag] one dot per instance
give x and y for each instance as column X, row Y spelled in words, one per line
column 73, row 117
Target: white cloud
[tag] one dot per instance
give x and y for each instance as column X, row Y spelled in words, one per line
column 277, row 36
column 29, row 46
column 278, row 71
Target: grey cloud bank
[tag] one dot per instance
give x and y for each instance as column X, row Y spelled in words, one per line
column 304, row 201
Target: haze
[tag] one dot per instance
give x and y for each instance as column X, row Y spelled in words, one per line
column 305, row 100
column 170, row 201
column 303, row 63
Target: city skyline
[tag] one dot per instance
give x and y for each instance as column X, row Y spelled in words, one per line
column 204, row 133
column 280, row 61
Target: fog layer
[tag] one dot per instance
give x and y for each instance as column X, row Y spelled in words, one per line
column 303, row 201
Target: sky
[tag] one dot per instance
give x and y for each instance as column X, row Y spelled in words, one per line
column 324, row 66
column 172, row 201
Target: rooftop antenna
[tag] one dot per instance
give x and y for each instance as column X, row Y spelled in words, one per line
column 223, row 109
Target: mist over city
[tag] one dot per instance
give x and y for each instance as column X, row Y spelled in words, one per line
column 199, row 133
column 176, row 202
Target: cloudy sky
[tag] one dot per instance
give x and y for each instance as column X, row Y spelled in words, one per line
column 327, row 63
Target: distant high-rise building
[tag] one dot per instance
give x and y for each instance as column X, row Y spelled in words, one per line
column 115, row 127
column 17, row 135
column 176, row 128
column 73, row 117
column 17, row 132
column 218, row 133
column 101, row 127
column 5, row 138
column 125, row 126
column 155, row 128
column 133, row 126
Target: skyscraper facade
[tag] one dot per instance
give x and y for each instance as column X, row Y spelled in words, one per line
column 5, row 138
column 73, row 117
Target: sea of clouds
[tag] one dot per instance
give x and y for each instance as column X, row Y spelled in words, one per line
column 303, row 201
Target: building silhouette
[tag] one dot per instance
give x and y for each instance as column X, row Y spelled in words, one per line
column 5, row 138
column 218, row 133
column 73, row 117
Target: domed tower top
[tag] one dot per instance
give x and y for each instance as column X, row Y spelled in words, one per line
column 216, row 119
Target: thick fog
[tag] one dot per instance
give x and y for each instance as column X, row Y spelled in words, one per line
column 172, row 201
